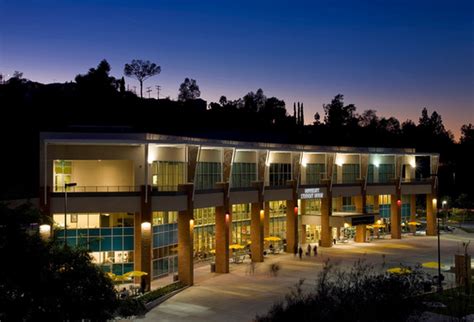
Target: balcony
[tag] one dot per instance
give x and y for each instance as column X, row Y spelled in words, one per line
column 60, row 189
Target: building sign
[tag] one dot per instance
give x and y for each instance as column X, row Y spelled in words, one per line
column 363, row 220
column 311, row 193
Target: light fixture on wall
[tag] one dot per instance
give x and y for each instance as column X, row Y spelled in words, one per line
column 146, row 226
column 45, row 231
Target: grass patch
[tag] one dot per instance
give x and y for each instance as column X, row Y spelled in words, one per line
column 457, row 302
column 467, row 230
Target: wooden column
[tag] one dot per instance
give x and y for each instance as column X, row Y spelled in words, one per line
column 185, row 238
column 292, row 220
column 223, row 219
column 431, row 213
column 256, row 225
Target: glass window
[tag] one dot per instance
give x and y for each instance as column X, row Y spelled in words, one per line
column 370, row 174
column 386, row 173
column 167, row 175
column 350, row 173
column 279, row 174
column 207, row 174
column 61, row 174
column 313, row 207
column 243, row 174
column 315, row 172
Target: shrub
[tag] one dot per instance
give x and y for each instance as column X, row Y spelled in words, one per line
column 356, row 294
column 153, row 295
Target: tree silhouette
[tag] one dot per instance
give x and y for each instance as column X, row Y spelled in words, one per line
column 97, row 81
column 188, row 90
column 467, row 134
column 141, row 70
column 336, row 114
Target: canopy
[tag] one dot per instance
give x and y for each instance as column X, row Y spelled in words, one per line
column 414, row 223
column 272, row 238
column 434, row 265
column 135, row 274
column 236, row 246
column 378, row 225
column 399, row 270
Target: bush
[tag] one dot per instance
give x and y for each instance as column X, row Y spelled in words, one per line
column 131, row 307
column 153, row 295
column 357, row 294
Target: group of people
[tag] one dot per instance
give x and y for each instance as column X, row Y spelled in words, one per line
column 299, row 251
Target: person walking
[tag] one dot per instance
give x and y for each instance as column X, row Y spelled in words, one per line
column 308, row 250
column 315, row 250
column 300, row 252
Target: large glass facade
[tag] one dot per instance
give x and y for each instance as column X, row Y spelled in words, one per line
column 348, row 204
column 109, row 237
column 384, row 206
column 313, row 207
column 277, row 218
column 204, row 232
column 405, row 207
column 62, row 171
column 243, row 174
column 165, row 243
column 241, row 223
column 167, row 175
column 208, row 173
column 280, row 173
column 315, row 172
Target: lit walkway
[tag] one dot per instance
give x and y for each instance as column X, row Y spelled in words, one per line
column 238, row 296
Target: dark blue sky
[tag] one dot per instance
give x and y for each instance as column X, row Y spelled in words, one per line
column 392, row 56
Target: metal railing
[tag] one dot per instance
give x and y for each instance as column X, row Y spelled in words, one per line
column 98, row 189
column 417, row 180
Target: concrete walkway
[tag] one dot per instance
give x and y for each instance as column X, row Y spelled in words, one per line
column 239, row 296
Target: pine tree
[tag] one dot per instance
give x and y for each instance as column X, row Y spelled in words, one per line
column 302, row 115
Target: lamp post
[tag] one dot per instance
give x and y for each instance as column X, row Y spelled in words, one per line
column 66, row 185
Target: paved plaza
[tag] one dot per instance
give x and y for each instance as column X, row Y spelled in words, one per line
column 239, row 296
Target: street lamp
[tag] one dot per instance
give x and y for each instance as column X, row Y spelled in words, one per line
column 440, row 277
column 66, row 185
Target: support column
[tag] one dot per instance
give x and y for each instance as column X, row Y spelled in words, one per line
column 292, row 220
column 266, row 219
column 256, row 232
column 326, row 237
column 358, row 201
column 431, row 213
column 413, row 212
column 257, row 216
column 185, row 238
column 376, row 204
column 222, row 240
column 223, row 220
column 360, row 236
column 303, row 234
column 396, row 216
column 145, row 226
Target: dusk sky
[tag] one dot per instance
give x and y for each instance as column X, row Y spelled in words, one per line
column 392, row 56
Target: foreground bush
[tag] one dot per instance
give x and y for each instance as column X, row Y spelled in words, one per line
column 153, row 295
column 44, row 280
column 357, row 294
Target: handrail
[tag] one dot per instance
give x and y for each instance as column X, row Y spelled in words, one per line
column 98, row 189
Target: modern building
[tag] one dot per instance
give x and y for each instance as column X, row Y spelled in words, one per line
column 159, row 203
